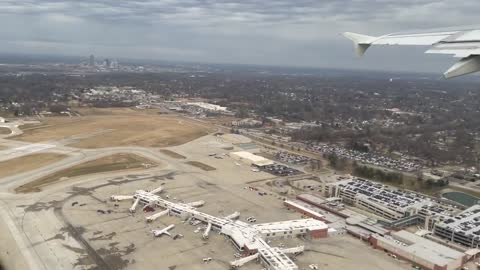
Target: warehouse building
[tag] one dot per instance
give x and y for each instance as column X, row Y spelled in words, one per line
column 208, row 106
column 251, row 159
column 419, row 251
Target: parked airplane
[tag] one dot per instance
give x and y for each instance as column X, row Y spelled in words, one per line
column 158, row 233
column 461, row 43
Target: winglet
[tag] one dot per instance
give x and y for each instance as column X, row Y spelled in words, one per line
column 361, row 42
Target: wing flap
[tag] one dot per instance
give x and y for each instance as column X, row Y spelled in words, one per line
column 460, row 49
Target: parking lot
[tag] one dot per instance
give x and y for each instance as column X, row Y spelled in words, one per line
column 280, row 170
column 404, row 163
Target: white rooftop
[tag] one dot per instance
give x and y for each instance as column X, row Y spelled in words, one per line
column 254, row 159
column 208, row 106
column 305, row 207
column 424, row 248
column 282, row 226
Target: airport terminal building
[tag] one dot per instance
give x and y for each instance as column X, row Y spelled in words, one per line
column 419, row 251
column 249, row 239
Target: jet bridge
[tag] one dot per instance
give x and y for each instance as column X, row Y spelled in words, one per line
column 134, row 206
column 157, row 215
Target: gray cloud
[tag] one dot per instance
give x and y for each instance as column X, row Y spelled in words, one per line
column 280, row 32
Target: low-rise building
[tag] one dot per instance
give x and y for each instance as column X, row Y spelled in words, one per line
column 251, row 159
column 209, row 106
column 306, row 209
column 247, row 123
column 419, row 251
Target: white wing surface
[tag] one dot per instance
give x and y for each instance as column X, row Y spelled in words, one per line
column 463, row 43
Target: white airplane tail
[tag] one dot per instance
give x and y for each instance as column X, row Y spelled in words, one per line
column 361, row 42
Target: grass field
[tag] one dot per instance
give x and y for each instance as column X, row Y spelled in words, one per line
column 31, row 126
column 5, row 131
column 117, row 127
column 28, row 163
column 117, row 162
column 201, row 165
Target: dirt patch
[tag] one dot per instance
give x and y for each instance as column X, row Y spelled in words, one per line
column 111, row 128
column 201, row 165
column 28, row 163
column 5, row 131
column 117, row 162
column 172, row 154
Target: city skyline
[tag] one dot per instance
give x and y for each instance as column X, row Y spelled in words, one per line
column 272, row 33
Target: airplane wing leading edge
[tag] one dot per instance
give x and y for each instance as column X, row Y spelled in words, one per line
column 463, row 44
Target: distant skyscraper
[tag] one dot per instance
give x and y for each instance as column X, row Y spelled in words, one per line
column 107, row 63
column 92, row 60
column 114, row 64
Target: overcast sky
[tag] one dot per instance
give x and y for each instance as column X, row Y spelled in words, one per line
column 280, row 32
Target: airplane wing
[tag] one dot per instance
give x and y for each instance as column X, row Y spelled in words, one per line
column 463, row 43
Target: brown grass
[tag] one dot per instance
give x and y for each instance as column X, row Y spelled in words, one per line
column 28, row 163
column 5, row 131
column 172, row 154
column 201, row 165
column 32, row 126
column 117, row 162
column 121, row 127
